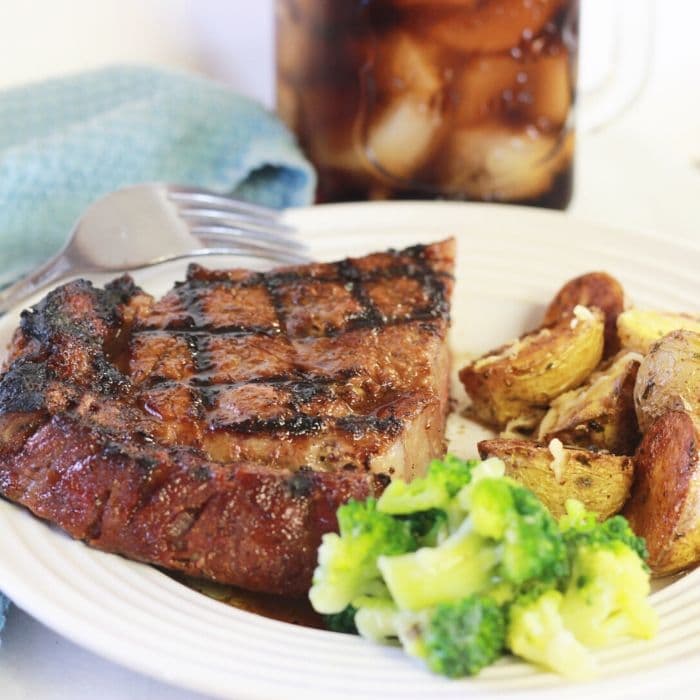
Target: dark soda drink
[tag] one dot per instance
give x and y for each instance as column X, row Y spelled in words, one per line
column 456, row 99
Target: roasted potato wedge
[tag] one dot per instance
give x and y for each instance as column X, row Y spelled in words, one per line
column 601, row 481
column 669, row 378
column 600, row 414
column 664, row 507
column 597, row 289
column 639, row 330
column 524, row 376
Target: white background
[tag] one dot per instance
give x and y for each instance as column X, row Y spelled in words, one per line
column 642, row 172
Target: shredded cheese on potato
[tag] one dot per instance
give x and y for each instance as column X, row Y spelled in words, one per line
column 558, row 464
column 581, row 313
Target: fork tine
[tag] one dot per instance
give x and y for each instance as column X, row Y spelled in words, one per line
column 194, row 197
column 234, row 220
column 249, row 250
column 240, row 236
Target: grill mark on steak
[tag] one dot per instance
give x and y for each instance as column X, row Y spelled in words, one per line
column 198, row 347
column 353, row 323
column 369, row 316
column 417, row 269
column 303, row 424
column 234, row 330
column 361, row 425
column 297, row 424
column 271, row 285
column 345, row 273
column 217, row 430
column 434, row 287
column 303, row 386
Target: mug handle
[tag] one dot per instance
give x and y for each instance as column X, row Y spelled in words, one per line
column 629, row 67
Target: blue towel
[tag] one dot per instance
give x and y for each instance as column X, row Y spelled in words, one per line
column 65, row 142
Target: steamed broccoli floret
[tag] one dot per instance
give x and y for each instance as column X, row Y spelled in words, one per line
column 536, row 632
column 444, row 478
column 462, row 565
column 606, row 596
column 606, row 599
column 462, row 638
column 507, row 539
column 347, row 562
column 343, row 622
column 533, row 547
column 454, row 639
column 464, row 561
column 580, row 526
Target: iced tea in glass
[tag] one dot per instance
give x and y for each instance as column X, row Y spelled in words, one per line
column 457, row 99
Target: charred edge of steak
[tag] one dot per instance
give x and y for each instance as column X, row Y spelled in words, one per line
column 57, row 314
column 76, row 334
column 23, row 386
column 109, row 381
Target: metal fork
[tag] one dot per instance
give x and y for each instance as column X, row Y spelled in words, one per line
column 145, row 225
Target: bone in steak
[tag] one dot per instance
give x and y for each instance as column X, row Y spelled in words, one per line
column 217, row 430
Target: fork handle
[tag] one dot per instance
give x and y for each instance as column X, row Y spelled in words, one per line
column 51, row 271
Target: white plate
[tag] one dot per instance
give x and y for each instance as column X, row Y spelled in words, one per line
column 510, row 262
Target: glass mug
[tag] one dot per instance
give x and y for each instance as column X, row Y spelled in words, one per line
column 456, row 99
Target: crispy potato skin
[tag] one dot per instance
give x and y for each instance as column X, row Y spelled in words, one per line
column 638, row 329
column 601, row 413
column 523, row 377
column 669, row 378
column 598, row 289
column 601, row 481
column 665, row 504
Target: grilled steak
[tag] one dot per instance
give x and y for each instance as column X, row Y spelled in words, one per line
column 216, row 431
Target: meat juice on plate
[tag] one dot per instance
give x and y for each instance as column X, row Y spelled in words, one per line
column 458, row 99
